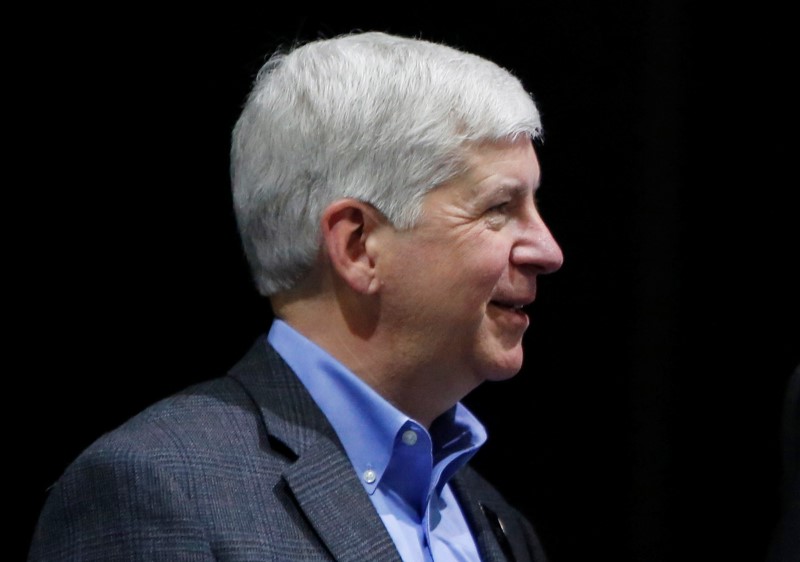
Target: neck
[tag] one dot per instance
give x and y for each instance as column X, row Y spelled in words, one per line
column 348, row 326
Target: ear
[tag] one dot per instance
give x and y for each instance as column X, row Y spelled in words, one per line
column 347, row 225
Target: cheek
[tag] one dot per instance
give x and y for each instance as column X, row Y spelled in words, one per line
column 474, row 280
column 473, row 268
column 460, row 272
column 489, row 262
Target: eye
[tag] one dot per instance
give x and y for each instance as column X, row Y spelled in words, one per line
column 501, row 208
column 498, row 215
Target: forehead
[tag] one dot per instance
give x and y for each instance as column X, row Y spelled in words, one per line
column 493, row 171
column 506, row 166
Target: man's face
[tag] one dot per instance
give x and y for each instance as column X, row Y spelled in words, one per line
column 452, row 287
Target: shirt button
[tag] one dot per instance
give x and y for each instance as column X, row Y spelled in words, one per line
column 409, row 437
column 369, row 476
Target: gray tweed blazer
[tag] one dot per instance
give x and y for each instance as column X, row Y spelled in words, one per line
column 244, row 467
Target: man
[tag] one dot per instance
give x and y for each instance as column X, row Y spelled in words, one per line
column 384, row 190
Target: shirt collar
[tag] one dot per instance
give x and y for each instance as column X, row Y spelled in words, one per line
column 366, row 423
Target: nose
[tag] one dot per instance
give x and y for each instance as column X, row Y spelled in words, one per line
column 536, row 246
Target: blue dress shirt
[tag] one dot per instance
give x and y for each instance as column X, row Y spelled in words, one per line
column 404, row 468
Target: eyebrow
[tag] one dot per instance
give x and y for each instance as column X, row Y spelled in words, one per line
column 516, row 189
column 508, row 187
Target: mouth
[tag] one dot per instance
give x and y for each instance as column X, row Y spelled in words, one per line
column 510, row 315
column 511, row 306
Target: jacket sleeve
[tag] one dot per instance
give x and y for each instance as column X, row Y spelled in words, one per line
column 118, row 506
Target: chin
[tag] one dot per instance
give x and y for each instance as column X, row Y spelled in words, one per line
column 502, row 375
column 504, row 368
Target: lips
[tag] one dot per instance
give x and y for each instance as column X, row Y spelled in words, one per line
column 509, row 315
column 507, row 305
column 511, row 310
column 511, row 304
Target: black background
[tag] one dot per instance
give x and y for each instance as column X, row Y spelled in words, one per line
column 645, row 425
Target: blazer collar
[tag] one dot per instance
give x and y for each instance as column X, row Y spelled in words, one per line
column 321, row 477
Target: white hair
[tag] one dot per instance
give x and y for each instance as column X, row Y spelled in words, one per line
column 376, row 117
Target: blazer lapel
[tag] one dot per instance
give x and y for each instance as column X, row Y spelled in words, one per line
column 487, row 528
column 321, row 477
column 329, row 492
